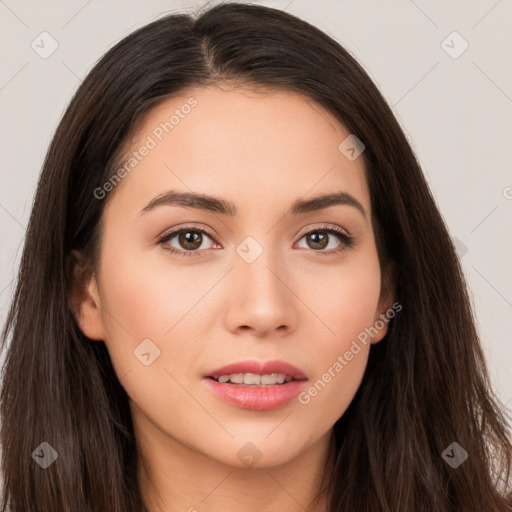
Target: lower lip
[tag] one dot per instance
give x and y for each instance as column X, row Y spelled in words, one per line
column 258, row 398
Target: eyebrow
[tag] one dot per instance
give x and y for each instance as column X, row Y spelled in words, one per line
column 216, row 205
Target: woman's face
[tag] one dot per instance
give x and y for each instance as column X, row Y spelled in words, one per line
column 261, row 284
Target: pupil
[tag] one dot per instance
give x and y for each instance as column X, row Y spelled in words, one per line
column 190, row 237
column 323, row 239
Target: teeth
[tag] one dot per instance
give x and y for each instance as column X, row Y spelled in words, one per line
column 272, row 379
column 253, row 379
column 237, row 378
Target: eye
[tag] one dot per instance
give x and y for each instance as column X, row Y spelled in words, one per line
column 319, row 239
column 190, row 238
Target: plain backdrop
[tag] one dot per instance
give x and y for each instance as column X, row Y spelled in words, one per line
column 444, row 67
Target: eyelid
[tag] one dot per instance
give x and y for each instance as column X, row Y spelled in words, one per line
column 175, row 230
column 325, row 226
column 209, row 232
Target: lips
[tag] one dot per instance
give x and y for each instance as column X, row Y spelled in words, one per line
column 259, row 368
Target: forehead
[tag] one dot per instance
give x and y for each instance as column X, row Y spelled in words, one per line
column 249, row 146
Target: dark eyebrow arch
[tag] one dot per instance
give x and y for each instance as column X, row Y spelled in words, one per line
column 213, row 204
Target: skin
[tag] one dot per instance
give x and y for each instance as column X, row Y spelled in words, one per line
column 261, row 151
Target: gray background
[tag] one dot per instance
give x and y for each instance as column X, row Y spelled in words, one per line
column 456, row 112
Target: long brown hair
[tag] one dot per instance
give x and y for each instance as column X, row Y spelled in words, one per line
column 426, row 385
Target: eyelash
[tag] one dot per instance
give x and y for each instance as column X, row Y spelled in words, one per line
column 347, row 241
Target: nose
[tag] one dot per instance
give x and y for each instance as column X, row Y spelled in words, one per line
column 261, row 296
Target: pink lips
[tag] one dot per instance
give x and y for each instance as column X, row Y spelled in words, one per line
column 260, row 398
column 253, row 366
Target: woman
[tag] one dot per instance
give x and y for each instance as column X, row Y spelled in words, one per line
column 237, row 291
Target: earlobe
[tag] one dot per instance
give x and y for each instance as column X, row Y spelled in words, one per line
column 91, row 321
column 386, row 300
column 381, row 325
column 85, row 299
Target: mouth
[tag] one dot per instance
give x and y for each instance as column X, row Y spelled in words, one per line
column 257, row 373
column 254, row 379
column 256, row 385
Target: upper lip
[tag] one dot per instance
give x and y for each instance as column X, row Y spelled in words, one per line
column 259, row 368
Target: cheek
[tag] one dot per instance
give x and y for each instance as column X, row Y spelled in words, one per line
column 150, row 316
column 345, row 298
column 331, row 391
column 347, row 308
column 148, row 298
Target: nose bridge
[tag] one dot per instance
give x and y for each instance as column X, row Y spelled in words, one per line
column 257, row 265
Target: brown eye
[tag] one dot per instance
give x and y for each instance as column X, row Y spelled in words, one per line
column 189, row 241
column 319, row 239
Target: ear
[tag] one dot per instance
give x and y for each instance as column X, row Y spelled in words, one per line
column 84, row 296
column 381, row 321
